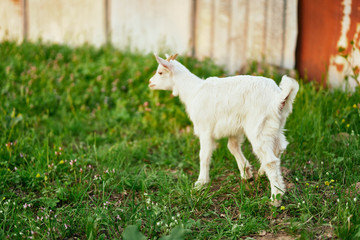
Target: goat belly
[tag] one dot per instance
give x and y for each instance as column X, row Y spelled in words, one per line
column 226, row 127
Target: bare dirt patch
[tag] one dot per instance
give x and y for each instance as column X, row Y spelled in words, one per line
column 263, row 235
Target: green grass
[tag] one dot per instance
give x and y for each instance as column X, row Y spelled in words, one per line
column 88, row 152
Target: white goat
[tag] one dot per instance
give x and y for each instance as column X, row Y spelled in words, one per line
column 233, row 107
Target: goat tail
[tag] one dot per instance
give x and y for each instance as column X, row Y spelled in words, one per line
column 289, row 88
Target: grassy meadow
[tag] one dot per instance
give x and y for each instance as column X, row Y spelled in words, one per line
column 87, row 151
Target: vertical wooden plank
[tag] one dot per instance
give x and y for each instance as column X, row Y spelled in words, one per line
column 204, row 28
column 107, row 32
column 89, row 19
column 153, row 25
column 222, row 23
column 274, row 34
column 120, row 17
column 238, row 36
column 11, row 20
column 193, row 26
column 291, row 33
column 45, row 20
column 256, row 30
column 67, row 21
column 25, row 8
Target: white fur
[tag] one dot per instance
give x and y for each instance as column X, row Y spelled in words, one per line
column 233, row 107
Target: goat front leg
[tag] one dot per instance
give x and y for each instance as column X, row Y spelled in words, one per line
column 207, row 145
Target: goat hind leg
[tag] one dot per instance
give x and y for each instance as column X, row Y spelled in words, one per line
column 270, row 164
column 276, row 150
column 234, row 145
column 280, row 144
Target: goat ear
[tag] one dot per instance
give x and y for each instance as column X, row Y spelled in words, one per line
column 163, row 62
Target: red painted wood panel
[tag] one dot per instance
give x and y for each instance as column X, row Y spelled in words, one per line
column 320, row 26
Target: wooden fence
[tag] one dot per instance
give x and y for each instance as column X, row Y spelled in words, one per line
column 232, row 32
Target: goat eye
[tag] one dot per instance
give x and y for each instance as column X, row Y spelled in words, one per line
column 160, row 73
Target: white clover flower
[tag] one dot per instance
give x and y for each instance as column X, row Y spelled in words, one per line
column 26, row 205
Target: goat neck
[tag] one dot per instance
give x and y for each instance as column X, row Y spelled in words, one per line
column 186, row 84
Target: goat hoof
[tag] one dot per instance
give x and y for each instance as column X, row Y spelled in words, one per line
column 276, row 203
column 261, row 172
column 248, row 175
column 200, row 183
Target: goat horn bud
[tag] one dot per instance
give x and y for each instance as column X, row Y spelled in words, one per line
column 172, row 57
